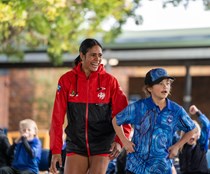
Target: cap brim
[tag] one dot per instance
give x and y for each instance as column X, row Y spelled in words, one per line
column 162, row 78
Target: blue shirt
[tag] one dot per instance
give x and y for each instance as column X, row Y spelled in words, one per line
column 22, row 159
column 205, row 131
column 153, row 134
column 192, row 158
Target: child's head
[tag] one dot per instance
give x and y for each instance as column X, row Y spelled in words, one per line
column 156, row 76
column 28, row 128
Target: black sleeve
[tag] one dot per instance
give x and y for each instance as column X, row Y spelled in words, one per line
column 5, row 143
column 198, row 113
column 6, row 146
column 27, row 146
column 11, row 149
column 11, row 152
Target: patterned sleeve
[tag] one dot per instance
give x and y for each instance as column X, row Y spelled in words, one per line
column 127, row 115
column 185, row 123
column 205, row 130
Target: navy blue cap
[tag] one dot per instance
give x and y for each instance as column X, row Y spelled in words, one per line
column 155, row 76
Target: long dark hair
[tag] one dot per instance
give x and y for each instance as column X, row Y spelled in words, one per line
column 85, row 46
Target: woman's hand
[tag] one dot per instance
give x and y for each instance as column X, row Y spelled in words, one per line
column 55, row 158
column 193, row 109
column 115, row 150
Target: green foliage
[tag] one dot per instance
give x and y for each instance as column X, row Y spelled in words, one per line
column 206, row 3
column 57, row 26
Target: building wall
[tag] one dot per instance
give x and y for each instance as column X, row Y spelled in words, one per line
column 200, row 91
column 21, row 94
column 31, row 91
column 32, row 95
column 4, row 99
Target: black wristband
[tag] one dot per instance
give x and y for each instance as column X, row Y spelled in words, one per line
column 198, row 113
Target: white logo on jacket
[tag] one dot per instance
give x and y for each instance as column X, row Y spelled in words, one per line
column 101, row 95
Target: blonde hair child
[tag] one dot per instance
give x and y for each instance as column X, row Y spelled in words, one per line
column 26, row 150
column 28, row 128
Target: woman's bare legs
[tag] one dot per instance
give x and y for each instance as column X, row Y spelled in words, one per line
column 76, row 164
column 98, row 164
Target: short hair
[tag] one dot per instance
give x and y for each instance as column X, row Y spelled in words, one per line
column 29, row 123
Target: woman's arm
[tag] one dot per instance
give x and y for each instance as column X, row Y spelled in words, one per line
column 205, row 130
column 205, row 126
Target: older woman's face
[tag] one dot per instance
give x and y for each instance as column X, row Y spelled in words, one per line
column 195, row 137
column 91, row 60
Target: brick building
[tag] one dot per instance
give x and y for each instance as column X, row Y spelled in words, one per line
column 27, row 88
column 29, row 93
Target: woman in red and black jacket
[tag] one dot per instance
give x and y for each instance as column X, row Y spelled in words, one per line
column 91, row 98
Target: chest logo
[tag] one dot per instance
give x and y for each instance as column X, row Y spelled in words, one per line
column 170, row 119
column 73, row 94
column 101, row 95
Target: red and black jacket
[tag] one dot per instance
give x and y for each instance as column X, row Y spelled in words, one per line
column 90, row 104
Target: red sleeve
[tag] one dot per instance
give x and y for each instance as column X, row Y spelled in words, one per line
column 119, row 102
column 58, row 115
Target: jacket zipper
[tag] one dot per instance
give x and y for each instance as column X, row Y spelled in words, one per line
column 86, row 120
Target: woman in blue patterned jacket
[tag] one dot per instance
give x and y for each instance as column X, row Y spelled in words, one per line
column 192, row 157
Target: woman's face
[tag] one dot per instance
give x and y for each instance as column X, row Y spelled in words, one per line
column 91, row 60
column 195, row 137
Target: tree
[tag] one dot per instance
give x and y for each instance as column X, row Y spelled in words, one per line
column 206, row 3
column 57, row 25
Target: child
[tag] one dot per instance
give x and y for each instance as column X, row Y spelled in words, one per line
column 26, row 150
column 155, row 120
column 4, row 148
column 192, row 157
